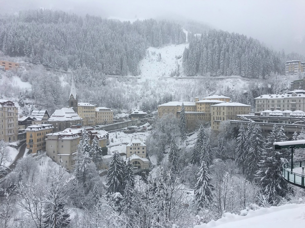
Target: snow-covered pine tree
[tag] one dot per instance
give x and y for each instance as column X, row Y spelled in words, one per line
column 115, row 175
column 269, row 174
column 129, row 175
column 196, row 155
column 96, row 153
column 253, row 155
column 301, row 136
column 203, row 188
column 173, row 157
column 295, row 136
column 241, row 147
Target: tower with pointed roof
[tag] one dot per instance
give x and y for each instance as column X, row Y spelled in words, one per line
column 73, row 101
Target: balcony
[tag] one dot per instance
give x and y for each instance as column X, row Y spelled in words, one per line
column 297, row 175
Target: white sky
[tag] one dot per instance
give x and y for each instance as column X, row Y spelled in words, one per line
column 280, row 24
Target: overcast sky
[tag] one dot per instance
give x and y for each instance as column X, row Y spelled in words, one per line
column 280, row 24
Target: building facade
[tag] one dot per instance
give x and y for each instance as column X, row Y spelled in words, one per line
column 293, row 100
column 294, row 67
column 65, row 118
column 62, row 146
column 36, row 135
column 8, row 121
column 136, row 154
column 227, row 111
column 8, row 65
column 87, row 112
column 103, row 115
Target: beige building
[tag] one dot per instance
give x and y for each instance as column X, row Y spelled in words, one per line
column 293, row 100
column 87, row 112
column 227, row 111
column 61, row 146
column 40, row 116
column 103, row 115
column 195, row 112
column 65, row 118
column 136, row 154
column 35, row 137
column 294, row 67
column 8, row 65
column 8, row 121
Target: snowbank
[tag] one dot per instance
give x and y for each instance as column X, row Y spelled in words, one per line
column 290, row 215
column 12, row 153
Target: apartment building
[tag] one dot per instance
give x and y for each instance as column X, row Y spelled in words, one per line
column 293, row 100
column 227, row 111
column 8, row 121
column 103, row 115
column 40, row 116
column 87, row 112
column 62, row 146
column 294, row 67
column 136, row 154
column 196, row 112
column 8, row 65
column 36, row 135
column 65, row 118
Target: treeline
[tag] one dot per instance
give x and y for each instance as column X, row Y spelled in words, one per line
column 217, row 53
column 65, row 41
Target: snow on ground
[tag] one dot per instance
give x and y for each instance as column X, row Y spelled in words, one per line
column 289, row 215
column 162, row 62
column 12, row 153
column 15, row 82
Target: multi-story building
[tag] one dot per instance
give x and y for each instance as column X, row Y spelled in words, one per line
column 136, row 154
column 40, row 116
column 195, row 112
column 227, row 111
column 294, row 67
column 87, row 112
column 35, row 137
column 293, row 100
column 62, row 146
column 8, row 121
column 65, row 118
column 103, row 115
column 8, row 65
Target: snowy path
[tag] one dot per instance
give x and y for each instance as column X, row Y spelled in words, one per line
column 290, row 215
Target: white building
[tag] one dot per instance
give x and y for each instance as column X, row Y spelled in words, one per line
column 136, row 154
column 64, row 118
column 293, row 100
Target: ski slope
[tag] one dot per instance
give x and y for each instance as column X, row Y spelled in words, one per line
column 286, row 216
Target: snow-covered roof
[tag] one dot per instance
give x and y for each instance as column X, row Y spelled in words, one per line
column 138, row 141
column 231, row 104
column 102, row 109
column 64, row 114
column 68, row 132
column 38, row 114
column 290, row 94
column 134, row 157
column 39, row 127
column 209, row 101
column 86, row 104
column 216, row 97
column 139, row 112
column 178, row 103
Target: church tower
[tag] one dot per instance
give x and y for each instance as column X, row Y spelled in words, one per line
column 73, row 101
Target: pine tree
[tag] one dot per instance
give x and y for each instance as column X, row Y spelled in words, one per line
column 173, row 157
column 207, row 153
column 203, row 188
column 115, row 175
column 241, row 147
column 269, row 174
column 96, row 153
column 196, row 156
column 295, row 136
column 253, row 156
column 301, row 136
column 182, row 123
column 129, row 175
